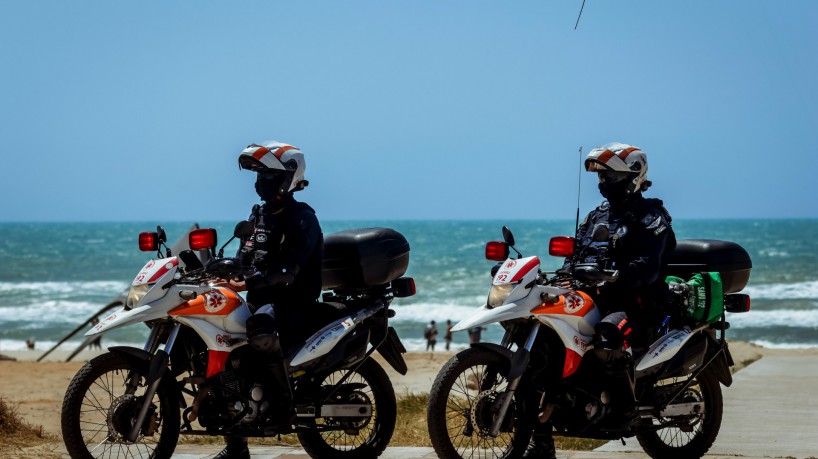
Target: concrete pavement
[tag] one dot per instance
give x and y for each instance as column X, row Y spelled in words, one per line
column 771, row 410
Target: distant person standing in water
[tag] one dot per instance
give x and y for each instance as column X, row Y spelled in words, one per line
column 474, row 334
column 448, row 336
column 430, row 333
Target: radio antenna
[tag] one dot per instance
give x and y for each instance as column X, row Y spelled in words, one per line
column 579, row 188
column 580, row 14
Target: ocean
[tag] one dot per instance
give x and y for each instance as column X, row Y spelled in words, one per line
column 53, row 276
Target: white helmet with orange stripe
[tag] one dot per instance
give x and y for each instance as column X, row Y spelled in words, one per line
column 618, row 161
column 278, row 162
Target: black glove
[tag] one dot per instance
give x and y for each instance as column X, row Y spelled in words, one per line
column 276, row 276
column 282, row 276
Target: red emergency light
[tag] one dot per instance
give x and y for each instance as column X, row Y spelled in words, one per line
column 496, row 251
column 202, row 239
column 561, row 246
column 148, row 242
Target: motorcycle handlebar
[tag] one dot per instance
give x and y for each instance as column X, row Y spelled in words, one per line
column 591, row 273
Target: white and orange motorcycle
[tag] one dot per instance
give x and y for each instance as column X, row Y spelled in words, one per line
column 550, row 369
column 196, row 375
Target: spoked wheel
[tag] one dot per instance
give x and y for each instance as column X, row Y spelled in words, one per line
column 692, row 435
column 355, row 437
column 102, row 404
column 463, row 405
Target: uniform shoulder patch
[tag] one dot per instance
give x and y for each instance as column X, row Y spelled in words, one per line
column 655, row 220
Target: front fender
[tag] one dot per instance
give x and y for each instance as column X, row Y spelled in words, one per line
column 157, row 363
column 140, row 354
column 485, row 315
column 517, row 361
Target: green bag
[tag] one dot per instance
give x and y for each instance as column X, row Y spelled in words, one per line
column 704, row 296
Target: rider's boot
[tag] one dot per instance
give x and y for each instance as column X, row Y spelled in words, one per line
column 541, row 445
column 236, row 449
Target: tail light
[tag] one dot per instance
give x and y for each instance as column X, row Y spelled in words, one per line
column 403, row 287
column 561, row 246
column 737, row 302
column 202, row 239
column 148, row 242
column 496, row 251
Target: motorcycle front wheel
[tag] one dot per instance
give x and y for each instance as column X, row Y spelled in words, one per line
column 463, row 405
column 693, row 435
column 102, row 403
column 353, row 438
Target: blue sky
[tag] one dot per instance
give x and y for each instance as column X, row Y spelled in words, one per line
column 405, row 110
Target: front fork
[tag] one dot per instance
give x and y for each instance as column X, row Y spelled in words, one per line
column 519, row 362
column 157, row 367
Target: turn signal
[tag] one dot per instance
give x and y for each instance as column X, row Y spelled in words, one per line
column 148, row 242
column 202, row 239
column 737, row 302
column 496, row 251
column 403, row 287
column 561, row 246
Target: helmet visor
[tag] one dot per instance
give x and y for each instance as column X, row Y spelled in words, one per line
column 271, row 179
column 610, row 177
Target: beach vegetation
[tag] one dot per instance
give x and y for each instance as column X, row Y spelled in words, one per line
column 16, row 433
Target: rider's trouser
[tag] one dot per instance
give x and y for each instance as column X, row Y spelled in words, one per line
column 263, row 336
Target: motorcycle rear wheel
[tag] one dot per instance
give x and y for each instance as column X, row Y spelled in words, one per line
column 97, row 411
column 461, row 406
column 699, row 433
column 367, row 438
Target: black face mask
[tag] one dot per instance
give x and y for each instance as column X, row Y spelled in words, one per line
column 615, row 193
column 268, row 186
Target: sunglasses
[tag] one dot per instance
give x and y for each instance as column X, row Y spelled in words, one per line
column 609, row 177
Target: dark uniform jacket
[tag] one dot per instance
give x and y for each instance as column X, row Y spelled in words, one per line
column 287, row 241
column 640, row 236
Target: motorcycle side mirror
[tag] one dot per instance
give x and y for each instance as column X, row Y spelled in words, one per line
column 161, row 233
column 601, row 233
column 507, row 236
column 244, row 229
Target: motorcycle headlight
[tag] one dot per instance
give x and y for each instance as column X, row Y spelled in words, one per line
column 499, row 293
column 135, row 295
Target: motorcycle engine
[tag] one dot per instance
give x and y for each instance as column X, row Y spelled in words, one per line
column 222, row 405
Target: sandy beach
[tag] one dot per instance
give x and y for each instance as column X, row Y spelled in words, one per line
column 38, row 387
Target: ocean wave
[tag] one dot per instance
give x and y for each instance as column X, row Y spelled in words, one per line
column 440, row 312
column 772, row 345
column 49, row 312
column 792, row 318
column 419, row 344
column 795, row 291
column 64, row 288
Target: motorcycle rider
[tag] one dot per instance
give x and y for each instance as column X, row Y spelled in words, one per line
column 285, row 251
column 639, row 234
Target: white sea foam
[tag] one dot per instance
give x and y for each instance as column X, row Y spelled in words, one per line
column 419, row 344
column 795, row 318
column 796, row 291
column 771, row 345
column 64, row 288
column 49, row 312
column 440, row 312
